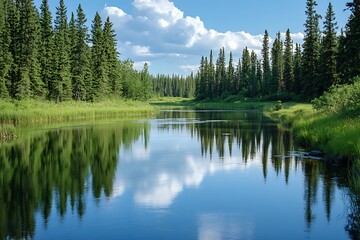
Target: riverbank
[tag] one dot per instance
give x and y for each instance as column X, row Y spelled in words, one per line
column 14, row 113
column 337, row 135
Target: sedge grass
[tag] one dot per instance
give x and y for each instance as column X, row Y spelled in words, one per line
column 33, row 111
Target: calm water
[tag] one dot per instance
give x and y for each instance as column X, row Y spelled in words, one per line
column 180, row 175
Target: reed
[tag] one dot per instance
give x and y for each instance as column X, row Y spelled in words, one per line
column 32, row 111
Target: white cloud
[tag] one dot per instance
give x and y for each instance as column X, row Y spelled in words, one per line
column 189, row 68
column 140, row 64
column 162, row 27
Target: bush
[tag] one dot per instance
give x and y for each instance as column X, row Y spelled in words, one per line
column 340, row 98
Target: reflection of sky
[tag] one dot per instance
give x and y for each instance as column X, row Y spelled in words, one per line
column 157, row 175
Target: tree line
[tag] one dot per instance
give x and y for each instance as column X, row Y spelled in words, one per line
column 288, row 70
column 174, row 85
column 57, row 59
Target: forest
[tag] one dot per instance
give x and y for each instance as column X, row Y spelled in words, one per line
column 60, row 59
column 284, row 71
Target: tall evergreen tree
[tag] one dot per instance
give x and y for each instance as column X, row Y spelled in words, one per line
column 111, row 58
column 259, row 77
column 5, row 56
column 47, row 46
column 350, row 44
column 237, row 80
column 61, row 86
column 27, row 81
column 245, row 71
column 81, row 75
column 253, row 84
column 288, row 63
column 266, row 64
column 146, row 83
column 311, row 51
column 211, row 76
column 230, row 75
column 297, row 70
column 100, row 83
column 276, row 83
column 328, row 58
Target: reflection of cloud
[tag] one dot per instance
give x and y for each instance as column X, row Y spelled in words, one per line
column 223, row 226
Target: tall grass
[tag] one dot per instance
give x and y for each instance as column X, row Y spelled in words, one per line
column 335, row 134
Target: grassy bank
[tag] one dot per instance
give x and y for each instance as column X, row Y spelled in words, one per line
column 32, row 111
column 14, row 113
column 335, row 134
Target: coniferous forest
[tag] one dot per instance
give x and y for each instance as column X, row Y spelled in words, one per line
column 46, row 56
column 286, row 71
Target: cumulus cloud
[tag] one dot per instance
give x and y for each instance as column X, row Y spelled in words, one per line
column 157, row 29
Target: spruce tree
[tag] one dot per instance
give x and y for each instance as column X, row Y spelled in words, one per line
column 288, row 63
column 100, row 83
column 46, row 51
column 111, row 58
column 13, row 18
column 253, row 84
column 27, row 81
column 245, row 71
column 146, row 83
column 61, row 86
column 211, row 76
column 276, row 83
column 297, row 70
column 350, row 55
column 266, row 64
column 259, row 77
column 311, row 51
column 328, row 58
column 5, row 56
column 230, row 76
column 81, row 76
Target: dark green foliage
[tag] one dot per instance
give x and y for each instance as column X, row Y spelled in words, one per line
column 266, row 64
column 146, row 83
column 349, row 63
column 46, row 49
column 81, row 74
column 311, row 51
column 61, row 88
column 230, row 78
column 277, row 80
column 288, row 63
column 100, row 81
column 297, row 70
column 254, row 82
column 340, row 98
column 174, row 86
column 245, row 71
column 111, row 58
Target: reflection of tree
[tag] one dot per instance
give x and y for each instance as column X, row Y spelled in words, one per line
column 253, row 133
column 55, row 167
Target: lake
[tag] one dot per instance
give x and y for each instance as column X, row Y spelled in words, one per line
column 182, row 174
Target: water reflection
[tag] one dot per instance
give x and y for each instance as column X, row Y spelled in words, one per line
column 55, row 166
column 155, row 161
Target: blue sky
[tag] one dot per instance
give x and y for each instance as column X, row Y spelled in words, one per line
column 173, row 35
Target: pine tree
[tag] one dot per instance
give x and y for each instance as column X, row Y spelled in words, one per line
column 297, row 70
column 61, row 86
column 276, row 83
column 13, row 18
column 350, row 44
column 288, row 63
column 259, row 77
column 311, row 51
column 266, row 64
column 81, row 76
column 47, row 46
column 328, row 63
column 201, row 85
column 111, row 58
column 100, row 85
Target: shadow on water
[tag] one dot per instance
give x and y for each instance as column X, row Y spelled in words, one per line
column 58, row 167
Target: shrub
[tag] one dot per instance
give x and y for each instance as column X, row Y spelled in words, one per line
column 340, row 98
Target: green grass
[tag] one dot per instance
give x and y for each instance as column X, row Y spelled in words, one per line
column 34, row 111
column 335, row 134
column 7, row 133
